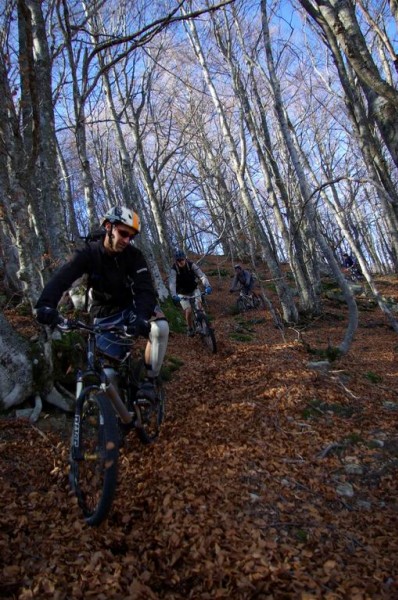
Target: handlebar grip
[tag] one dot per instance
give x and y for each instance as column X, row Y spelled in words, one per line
column 65, row 324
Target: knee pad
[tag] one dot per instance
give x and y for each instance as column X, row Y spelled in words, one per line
column 159, row 329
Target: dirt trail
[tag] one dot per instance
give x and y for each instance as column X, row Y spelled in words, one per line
column 241, row 496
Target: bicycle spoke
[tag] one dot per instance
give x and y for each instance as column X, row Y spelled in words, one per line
column 150, row 415
column 207, row 334
column 258, row 301
column 94, row 458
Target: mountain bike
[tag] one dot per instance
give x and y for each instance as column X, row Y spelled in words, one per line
column 353, row 274
column 200, row 322
column 249, row 301
column 109, row 403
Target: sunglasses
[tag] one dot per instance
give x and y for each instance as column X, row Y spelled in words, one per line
column 126, row 234
column 180, row 260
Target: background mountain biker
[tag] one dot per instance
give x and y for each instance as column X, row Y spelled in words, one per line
column 348, row 261
column 183, row 279
column 243, row 280
column 121, row 289
column 350, row 265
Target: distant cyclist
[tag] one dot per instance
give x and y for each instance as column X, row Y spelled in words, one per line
column 243, row 280
column 183, row 280
column 348, row 261
column 351, row 266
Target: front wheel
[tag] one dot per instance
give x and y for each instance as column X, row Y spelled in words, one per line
column 258, row 301
column 94, row 455
column 207, row 333
column 241, row 304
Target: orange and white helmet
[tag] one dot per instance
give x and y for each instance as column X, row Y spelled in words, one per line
column 121, row 214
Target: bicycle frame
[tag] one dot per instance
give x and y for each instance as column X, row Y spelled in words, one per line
column 95, row 367
column 354, row 274
column 105, row 395
column 105, row 378
column 249, row 301
column 196, row 305
column 201, row 322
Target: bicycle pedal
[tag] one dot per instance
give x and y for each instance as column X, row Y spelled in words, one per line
column 126, row 427
column 145, row 402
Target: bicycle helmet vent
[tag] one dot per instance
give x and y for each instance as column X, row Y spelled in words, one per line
column 179, row 254
column 121, row 214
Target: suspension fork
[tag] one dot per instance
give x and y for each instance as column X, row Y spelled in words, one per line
column 76, row 429
column 112, row 393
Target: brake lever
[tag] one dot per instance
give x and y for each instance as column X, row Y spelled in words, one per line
column 66, row 324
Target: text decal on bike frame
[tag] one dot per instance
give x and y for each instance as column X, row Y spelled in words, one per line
column 76, row 430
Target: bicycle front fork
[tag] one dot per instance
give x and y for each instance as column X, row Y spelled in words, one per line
column 110, row 386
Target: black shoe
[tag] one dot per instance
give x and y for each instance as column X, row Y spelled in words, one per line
column 147, row 390
column 190, row 332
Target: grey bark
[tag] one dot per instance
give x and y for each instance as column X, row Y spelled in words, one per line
column 16, row 377
column 382, row 98
column 238, row 164
column 308, row 207
column 80, row 85
column 15, row 199
column 368, row 143
column 261, row 138
column 46, row 168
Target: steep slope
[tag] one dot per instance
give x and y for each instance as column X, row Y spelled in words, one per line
column 271, row 478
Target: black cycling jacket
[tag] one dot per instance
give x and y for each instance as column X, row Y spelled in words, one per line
column 118, row 281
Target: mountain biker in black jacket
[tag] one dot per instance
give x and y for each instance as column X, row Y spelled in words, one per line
column 183, row 279
column 348, row 261
column 121, row 288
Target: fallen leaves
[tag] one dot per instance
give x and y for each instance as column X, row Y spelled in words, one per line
column 238, row 499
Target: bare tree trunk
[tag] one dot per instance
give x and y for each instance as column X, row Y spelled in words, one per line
column 79, row 100
column 133, row 198
column 368, row 143
column 231, row 227
column 289, row 309
column 70, row 216
column 338, row 211
column 14, row 183
column 46, row 170
column 261, row 138
column 394, row 9
column 308, row 208
column 339, row 16
column 16, row 379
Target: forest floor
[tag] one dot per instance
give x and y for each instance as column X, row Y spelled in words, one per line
column 271, row 479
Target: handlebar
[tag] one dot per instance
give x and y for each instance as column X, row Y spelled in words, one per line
column 65, row 325
column 202, row 295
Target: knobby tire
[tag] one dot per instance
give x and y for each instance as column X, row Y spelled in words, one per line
column 207, row 333
column 258, row 301
column 242, row 305
column 94, row 456
column 150, row 415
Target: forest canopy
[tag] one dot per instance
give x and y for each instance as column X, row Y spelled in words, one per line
column 252, row 129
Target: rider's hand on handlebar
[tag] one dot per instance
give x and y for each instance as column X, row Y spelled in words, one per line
column 66, row 324
column 208, row 290
column 176, row 299
column 138, row 326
